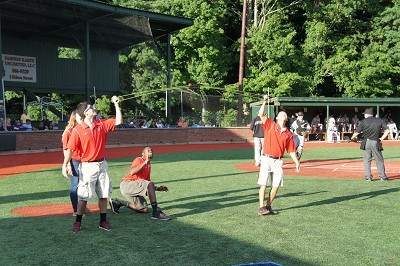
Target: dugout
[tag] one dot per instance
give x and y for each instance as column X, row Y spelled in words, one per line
column 33, row 33
column 327, row 106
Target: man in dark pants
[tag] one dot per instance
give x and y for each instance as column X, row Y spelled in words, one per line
column 371, row 128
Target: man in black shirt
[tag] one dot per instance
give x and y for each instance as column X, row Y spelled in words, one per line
column 258, row 137
column 371, row 128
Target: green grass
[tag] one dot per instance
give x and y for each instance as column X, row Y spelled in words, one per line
column 322, row 221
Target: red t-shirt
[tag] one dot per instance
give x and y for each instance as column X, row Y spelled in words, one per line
column 65, row 138
column 91, row 143
column 143, row 173
column 277, row 139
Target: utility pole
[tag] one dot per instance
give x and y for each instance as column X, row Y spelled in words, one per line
column 241, row 66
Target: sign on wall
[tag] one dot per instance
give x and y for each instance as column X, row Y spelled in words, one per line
column 19, row 68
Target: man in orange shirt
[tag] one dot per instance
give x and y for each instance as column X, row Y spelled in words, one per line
column 137, row 184
column 89, row 138
column 277, row 139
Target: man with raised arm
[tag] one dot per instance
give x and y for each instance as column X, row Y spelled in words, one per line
column 89, row 137
column 277, row 139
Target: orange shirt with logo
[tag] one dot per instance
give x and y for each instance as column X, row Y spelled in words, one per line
column 143, row 173
column 277, row 139
column 91, row 142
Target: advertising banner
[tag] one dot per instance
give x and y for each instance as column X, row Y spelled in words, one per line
column 19, row 68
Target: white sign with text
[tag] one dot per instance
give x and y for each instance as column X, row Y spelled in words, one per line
column 19, row 68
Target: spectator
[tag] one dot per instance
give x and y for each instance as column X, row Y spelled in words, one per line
column 46, row 123
column 354, row 122
column 194, row 124
column 2, row 124
column 18, row 126
column 54, row 124
column 28, row 126
column 25, row 116
column 9, row 125
column 393, row 130
column 159, row 124
column 331, row 128
column 182, row 123
column 40, row 126
column 153, row 124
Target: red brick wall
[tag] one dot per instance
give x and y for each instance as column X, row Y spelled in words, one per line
column 52, row 139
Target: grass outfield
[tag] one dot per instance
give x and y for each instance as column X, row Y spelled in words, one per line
column 322, row 221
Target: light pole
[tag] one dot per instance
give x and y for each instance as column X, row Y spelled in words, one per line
column 241, row 66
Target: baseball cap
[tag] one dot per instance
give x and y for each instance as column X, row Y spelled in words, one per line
column 368, row 111
column 300, row 114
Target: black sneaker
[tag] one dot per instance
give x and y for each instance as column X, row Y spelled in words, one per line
column 263, row 211
column 271, row 211
column 368, row 179
column 105, row 226
column 384, row 179
column 160, row 215
column 114, row 206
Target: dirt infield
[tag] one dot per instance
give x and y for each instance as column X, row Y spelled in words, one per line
column 12, row 164
column 331, row 169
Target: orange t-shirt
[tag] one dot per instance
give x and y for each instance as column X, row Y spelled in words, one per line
column 91, row 142
column 143, row 173
column 277, row 139
column 65, row 138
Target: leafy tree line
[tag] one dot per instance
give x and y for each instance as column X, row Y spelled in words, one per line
column 338, row 48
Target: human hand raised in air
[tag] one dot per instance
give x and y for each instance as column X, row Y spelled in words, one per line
column 115, row 99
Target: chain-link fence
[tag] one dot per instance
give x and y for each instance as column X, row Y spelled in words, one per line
column 207, row 110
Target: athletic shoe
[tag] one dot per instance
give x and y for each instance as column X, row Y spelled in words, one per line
column 368, row 179
column 76, row 227
column 263, row 211
column 271, row 211
column 114, row 206
column 160, row 215
column 74, row 214
column 384, row 179
column 105, row 226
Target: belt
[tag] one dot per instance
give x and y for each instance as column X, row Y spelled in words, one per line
column 96, row 161
column 373, row 139
column 273, row 157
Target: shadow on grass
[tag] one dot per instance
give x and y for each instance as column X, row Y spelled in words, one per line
column 49, row 241
column 366, row 195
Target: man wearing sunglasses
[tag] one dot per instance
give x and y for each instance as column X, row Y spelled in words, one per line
column 89, row 138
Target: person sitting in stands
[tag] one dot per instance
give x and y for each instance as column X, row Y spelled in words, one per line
column 28, row 126
column 9, row 126
column 18, row 126
column 46, row 123
column 2, row 124
column 40, row 126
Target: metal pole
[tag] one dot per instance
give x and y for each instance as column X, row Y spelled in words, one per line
column 241, row 66
column 269, row 116
column 4, row 100
column 182, row 104
column 169, row 76
column 94, row 94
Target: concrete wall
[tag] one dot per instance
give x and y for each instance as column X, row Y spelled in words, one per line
column 36, row 140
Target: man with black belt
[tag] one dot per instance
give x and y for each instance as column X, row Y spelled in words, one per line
column 371, row 128
column 89, row 138
column 277, row 139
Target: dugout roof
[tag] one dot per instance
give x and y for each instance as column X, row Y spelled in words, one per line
column 329, row 105
column 115, row 26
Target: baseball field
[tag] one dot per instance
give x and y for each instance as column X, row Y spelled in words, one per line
column 328, row 214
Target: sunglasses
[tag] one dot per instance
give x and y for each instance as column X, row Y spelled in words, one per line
column 88, row 108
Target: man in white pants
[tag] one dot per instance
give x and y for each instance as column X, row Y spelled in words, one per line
column 258, row 138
